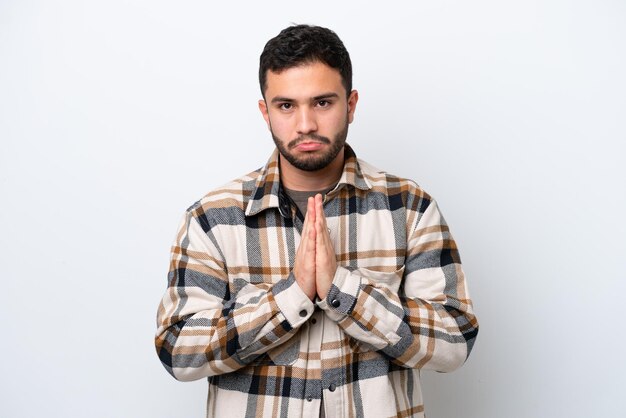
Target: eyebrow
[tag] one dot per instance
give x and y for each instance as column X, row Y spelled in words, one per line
column 316, row 98
column 326, row 96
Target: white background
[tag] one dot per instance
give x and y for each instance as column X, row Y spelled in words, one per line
column 117, row 115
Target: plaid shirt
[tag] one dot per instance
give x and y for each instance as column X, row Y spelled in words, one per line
column 234, row 313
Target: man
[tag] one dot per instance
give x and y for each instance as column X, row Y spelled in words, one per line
column 317, row 285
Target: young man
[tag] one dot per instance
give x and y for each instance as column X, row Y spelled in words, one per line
column 317, row 285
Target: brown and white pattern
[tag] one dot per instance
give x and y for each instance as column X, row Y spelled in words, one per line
column 234, row 313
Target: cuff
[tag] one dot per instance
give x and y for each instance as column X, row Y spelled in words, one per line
column 294, row 304
column 342, row 294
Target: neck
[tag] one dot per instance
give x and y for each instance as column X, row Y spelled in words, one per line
column 311, row 181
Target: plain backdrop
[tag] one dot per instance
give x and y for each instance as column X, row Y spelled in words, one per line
column 115, row 116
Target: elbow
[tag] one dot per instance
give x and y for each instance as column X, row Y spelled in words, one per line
column 452, row 361
column 182, row 371
column 165, row 352
column 186, row 374
column 455, row 353
column 449, row 351
column 183, row 368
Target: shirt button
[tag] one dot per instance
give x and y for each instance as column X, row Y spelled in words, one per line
column 332, row 387
column 335, row 303
column 309, row 398
column 313, row 321
column 303, row 313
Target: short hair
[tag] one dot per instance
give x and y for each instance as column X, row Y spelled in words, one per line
column 305, row 44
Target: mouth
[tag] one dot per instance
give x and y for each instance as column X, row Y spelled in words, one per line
column 308, row 146
column 310, row 143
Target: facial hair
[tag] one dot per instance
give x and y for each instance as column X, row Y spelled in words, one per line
column 312, row 162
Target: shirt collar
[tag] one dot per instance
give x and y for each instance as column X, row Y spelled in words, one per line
column 268, row 190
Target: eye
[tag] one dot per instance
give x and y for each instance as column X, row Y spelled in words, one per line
column 285, row 106
column 323, row 103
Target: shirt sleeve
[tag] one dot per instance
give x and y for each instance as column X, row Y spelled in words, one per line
column 420, row 316
column 204, row 330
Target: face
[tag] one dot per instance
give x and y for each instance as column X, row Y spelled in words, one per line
column 307, row 112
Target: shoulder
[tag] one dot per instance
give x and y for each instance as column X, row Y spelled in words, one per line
column 231, row 197
column 406, row 191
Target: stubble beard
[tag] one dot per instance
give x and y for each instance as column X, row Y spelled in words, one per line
column 312, row 161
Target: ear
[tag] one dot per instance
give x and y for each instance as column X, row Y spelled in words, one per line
column 352, row 100
column 264, row 112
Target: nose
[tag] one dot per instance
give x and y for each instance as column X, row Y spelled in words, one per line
column 306, row 122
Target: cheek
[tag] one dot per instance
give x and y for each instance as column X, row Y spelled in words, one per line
column 336, row 122
column 281, row 125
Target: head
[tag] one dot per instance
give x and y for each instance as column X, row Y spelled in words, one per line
column 303, row 44
column 306, row 80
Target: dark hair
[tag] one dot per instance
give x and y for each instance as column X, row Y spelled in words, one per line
column 304, row 44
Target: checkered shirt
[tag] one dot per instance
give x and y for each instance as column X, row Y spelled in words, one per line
column 234, row 313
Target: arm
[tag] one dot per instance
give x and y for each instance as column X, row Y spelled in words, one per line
column 203, row 330
column 420, row 316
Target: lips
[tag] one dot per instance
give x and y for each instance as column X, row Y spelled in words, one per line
column 310, row 142
column 309, row 146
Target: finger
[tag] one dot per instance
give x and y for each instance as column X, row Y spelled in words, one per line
column 319, row 211
column 321, row 217
column 319, row 205
column 309, row 219
column 324, row 246
column 310, row 209
column 312, row 231
column 304, row 263
column 312, row 241
column 322, row 238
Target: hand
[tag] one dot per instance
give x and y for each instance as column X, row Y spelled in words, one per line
column 325, row 259
column 304, row 264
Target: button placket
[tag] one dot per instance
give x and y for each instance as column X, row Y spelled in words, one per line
column 331, row 227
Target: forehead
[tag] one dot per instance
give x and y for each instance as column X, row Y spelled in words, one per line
column 304, row 81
